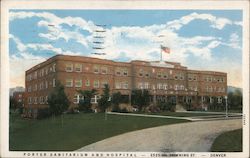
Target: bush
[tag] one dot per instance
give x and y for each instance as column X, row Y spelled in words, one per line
column 166, row 106
column 43, row 113
column 153, row 109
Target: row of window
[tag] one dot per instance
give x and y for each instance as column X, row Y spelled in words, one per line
column 77, row 98
column 42, row 85
column 70, row 67
column 215, row 89
column 79, row 83
column 38, row 100
column 42, row 72
column 160, row 86
column 211, row 79
column 211, row 99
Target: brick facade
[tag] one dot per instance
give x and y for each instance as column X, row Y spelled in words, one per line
column 164, row 80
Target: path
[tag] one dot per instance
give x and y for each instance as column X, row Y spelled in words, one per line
column 188, row 137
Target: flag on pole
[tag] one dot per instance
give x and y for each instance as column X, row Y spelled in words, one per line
column 165, row 49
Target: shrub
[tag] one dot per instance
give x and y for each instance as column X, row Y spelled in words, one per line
column 166, row 106
column 43, row 113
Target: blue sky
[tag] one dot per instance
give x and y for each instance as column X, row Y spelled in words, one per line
column 199, row 39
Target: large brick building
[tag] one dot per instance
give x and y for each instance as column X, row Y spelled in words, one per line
column 164, row 80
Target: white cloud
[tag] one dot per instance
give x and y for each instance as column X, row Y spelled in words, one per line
column 133, row 42
column 215, row 22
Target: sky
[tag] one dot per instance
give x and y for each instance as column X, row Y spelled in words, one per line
column 198, row 39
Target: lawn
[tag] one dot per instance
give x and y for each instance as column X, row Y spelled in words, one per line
column 228, row 142
column 77, row 131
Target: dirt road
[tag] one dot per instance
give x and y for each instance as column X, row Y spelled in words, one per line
column 188, row 137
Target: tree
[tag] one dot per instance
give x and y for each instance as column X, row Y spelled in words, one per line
column 85, row 104
column 104, row 102
column 235, row 99
column 116, row 100
column 57, row 100
column 140, row 98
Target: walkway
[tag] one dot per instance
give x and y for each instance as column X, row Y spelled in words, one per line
column 189, row 137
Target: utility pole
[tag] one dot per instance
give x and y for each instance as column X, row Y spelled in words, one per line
column 226, row 107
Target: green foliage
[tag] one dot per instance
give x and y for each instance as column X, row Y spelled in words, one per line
column 228, row 142
column 85, row 104
column 104, row 102
column 235, row 99
column 43, row 113
column 57, row 100
column 166, row 106
column 116, row 100
column 78, row 130
column 140, row 98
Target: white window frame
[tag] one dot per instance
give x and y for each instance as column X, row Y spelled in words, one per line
column 96, row 68
column 78, row 81
column 104, row 70
column 54, row 82
column 69, row 67
column 96, row 84
column 87, row 83
column 78, row 66
column 67, row 81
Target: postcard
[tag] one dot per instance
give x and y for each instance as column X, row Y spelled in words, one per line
column 125, row 79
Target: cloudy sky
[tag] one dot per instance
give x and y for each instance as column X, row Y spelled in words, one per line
column 199, row 39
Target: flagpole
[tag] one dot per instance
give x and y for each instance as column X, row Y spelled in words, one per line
column 161, row 53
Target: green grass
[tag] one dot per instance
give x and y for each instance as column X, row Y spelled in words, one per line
column 78, row 130
column 228, row 142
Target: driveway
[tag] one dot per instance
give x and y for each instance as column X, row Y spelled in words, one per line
column 186, row 137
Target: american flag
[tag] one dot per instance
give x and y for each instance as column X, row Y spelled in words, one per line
column 165, row 49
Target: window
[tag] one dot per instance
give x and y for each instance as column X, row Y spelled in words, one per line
column 147, row 75
column 104, row 83
column 104, row 70
column 41, row 86
column 125, row 72
column 87, row 83
column 195, row 78
column 35, row 87
column 118, row 85
column 42, row 72
column 54, row 82
column 77, row 98
column 140, row 72
column 29, row 89
column 140, row 85
column 96, row 69
column 46, row 84
column 219, row 99
column 182, row 87
column 69, row 82
column 146, row 85
column 41, row 100
column 29, row 100
column 159, row 75
column 176, row 87
column 46, row 71
column 69, row 67
column 159, row 86
column 118, row 72
column 165, row 76
column 35, row 100
column 96, row 84
column 54, row 68
column 78, row 67
column 95, row 99
column 165, row 86
column 125, row 85
column 78, row 83
column 35, row 75
column 46, row 99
